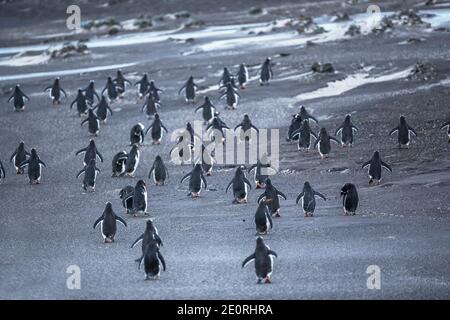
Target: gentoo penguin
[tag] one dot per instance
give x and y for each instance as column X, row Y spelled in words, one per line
column 90, row 93
column 80, row 100
column 140, row 198
column 404, row 133
column 34, row 164
column 242, row 76
column 132, row 160
column 118, row 163
column 111, row 89
column 447, row 125
column 263, row 258
column 221, row 122
column 207, row 161
column 266, row 72
column 154, row 90
column 261, row 168
column 308, row 199
column 18, row 95
column 240, row 183
column 126, row 195
column 323, row 143
column 90, row 175
column 346, row 130
column 375, row 164
column 270, row 197
column 295, row 125
column 150, row 106
column 215, row 130
column 150, row 234
column 263, row 220
column 93, row 123
column 137, row 134
column 91, row 152
column 158, row 171
column 2, row 171
column 305, row 115
column 191, row 134
column 153, row 260
column 231, row 96
column 196, row 181
column 55, row 91
column 143, row 85
column 181, row 151
column 349, row 198
column 226, row 77
column 108, row 223
column 19, row 156
column 208, row 110
column 189, row 90
column 120, row 81
column 102, row 110
column 157, row 130
column 246, row 125
column 304, row 135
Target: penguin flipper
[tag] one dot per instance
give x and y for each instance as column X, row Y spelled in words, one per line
column 228, row 186
column 64, row 92
column 253, row 166
column 181, row 89
column 139, row 239
column 386, row 166
column 123, row 222
column 84, row 121
column 413, row 131
column 365, row 164
column 24, row 163
column 42, row 163
column 185, row 177
column 239, row 125
column 248, row 260
column 10, row 98
column 47, row 88
column 393, row 131
column 80, row 172
column 339, row 130
column 148, row 129
column 247, row 182
column 299, row 197
column 316, row 193
column 161, row 259
column 99, row 155
column 12, row 156
column 204, row 180
column 254, row 127
column 445, row 125
column 165, row 129
column 334, row 140
column 313, row 119
column 81, row 150
column 151, row 170
column 262, row 196
column 98, row 221
column 314, row 135
column 273, row 253
column 281, row 194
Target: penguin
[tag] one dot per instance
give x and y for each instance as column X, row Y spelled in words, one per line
column 55, row 91
column 90, row 175
column 132, row 160
column 191, row 134
column 150, row 234
column 19, row 156
column 150, row 106
column 158, row 171
column 35, row 165
column 108, row 223
column 90, row 93
column 216, row 130
column 219, row 120
column 375, row 164
column 189, row 90
column 90, row 152
column 323, row 143
column 157, row 130
column 93, row 123
column 263, row 257
column 349, row 198
column 246, row 125
column 181, row 151
column 260, row 177
column 446, row 125
column 18, row 97
column 308, row 199
column 196, row 181
column 80, row 100
column 231, row 95
column 404, row 133
column 304, row 135
column 240, row 183
column 270, row 197
column 126, row 195
column 153, row 260
column 296, row 123
column 155, row 91
column 207, row 161
column 304, row 115
column 208, row 110
column 266, row 72
column 263, row 220
column 226, row 77
column 143, row 85
column 140, row 198
column 242, row 76
column 137, row 134
column 111, row 89
column 121, row 82
column 118, row 164
column 102, row 110
column 346, row 130
column 2, row 171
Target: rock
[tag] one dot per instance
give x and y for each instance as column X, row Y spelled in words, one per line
column 113, row 30
column 353, row 30
column 322, row 68
column 6, row 90
column 194, row 24
column 306, row 25
column 423, row 71
column 143, row 23
column 408, row 17
column 339, row 17
column 69, row 50
column 385, row 25
column 255, row 11
column 182, row 15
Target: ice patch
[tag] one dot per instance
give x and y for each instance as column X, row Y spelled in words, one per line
column 24, row 59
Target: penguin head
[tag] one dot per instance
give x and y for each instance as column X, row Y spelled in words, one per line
column 225, row 70
column 145, row 76
column 302, row 109
column 306, row 185
column 198, row 167
column 141, row 183
column 323, row 132
column 91, row 82
column 108, row 208
column 33, row 152
column 242, row 65
column 246, row 117
column 259, row 241
column 207, row 99
column 158, row 158
column 346, row 188
column 188, row 126
column 57, row 81
column 191, row 79
column 91, row 112
column 91, row 143
column 17, row 87
column 119, row 72
column 267, row 60
column 80, row 91
column 152, row 83
column 21, row 145
column 376, row 155
column 109, row 79
column 149, row 224
column 347, row 118
column 156, row 116
column 402, row 120
column 268, row 182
